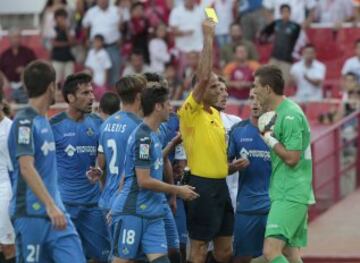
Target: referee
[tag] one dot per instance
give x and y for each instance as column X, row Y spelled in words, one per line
column 211, row 216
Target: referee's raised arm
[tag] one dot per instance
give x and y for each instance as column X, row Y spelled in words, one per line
column 204, row 69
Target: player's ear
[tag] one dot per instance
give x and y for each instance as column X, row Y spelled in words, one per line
column 71, row 98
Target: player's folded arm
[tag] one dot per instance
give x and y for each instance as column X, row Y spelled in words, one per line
column 291, row 145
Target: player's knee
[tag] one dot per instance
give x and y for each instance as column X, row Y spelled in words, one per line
column 162, row 259
column 223, row 255
column 270, row 251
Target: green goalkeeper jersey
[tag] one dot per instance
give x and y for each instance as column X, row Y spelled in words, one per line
column 293, row 132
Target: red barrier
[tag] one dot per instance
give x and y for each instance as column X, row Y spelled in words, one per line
column 335, row 156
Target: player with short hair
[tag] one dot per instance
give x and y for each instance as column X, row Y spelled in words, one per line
column 286, row 131
column 43, row 232
column 76, row 132
column 138, row 211
column 7, row 234
column 114, row 134
column 252, row 201
column 108, row 105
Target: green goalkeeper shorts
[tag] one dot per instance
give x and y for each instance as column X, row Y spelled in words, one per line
column 288, row 220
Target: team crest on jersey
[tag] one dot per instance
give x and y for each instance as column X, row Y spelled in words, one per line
column 36, row 206
column 24, row 135
column 90, row 132
column 144, row 151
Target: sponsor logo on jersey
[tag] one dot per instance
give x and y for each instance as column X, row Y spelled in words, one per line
column 71, row 150
column 47, row 147
column 69, row 134
column 290, row 118
column 44, row 130
column 24, row 122
column 244, row 153
column 246, row 139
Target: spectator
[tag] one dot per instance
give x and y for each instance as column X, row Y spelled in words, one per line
column 334, row 11
column 227, row 52
column 349, row 83
column 299, row 10
column 192, row 62
column 108, row 105
column 353, row 64
column 104, row 19
column 12, row 63
column 224, row 10
column 308, row 75
column 123, row 9
column 174, row 83
column 61, row 56
column 158, row 48
column 158, row 12
column 48, row 21
column 286, row 33
column 99, row 63
column 185, row 23
column 239, row 74
column 252, row 17
column 137, row 30
column 137, row 65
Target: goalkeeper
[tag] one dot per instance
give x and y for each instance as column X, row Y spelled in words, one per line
column 286, row 131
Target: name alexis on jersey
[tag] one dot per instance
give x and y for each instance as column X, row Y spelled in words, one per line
column 114, row 127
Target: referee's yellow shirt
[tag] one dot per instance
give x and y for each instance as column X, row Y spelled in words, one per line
column 204, row 139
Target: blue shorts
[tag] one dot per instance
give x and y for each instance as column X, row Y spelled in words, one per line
column 37, row 241
column 172, row 235
column 92, row 228
column 249, row 234
column 180, row 220
column 134, row 236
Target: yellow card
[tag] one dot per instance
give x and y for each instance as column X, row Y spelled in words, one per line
column 210, row 13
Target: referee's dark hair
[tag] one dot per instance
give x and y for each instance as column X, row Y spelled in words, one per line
column 72, row 82
column 272, row 76
column 151, row 96
column 37, row 77
column 109, row 103
column 129, row 86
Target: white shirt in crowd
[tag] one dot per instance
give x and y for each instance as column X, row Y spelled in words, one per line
column 232, row 180
column 305, row 90
column 224, row 11
column 129, row 70
column 298, row 8
column 159, row 55
column 7, row 235
column 103, row 22
column 352, row 65
column 99, row 62
column 188, row 20
column 333, row 11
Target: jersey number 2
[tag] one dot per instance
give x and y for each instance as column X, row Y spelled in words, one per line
column 112, row 165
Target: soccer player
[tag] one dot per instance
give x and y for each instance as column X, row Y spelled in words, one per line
column 253, row 203
column 291, row 179
column 115, row 132
column 76, row 132
column 7, row 234
column 139, row 209
column 108, row 105
column 167, row 136
column 211, row 216
column 43, row 232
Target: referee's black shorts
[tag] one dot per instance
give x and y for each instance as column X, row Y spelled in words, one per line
column 211, row 215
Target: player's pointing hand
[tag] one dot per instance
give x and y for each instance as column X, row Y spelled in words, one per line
column 187, row 192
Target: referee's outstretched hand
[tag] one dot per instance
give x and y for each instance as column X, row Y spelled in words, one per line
column 187, row 192
column 209, row 27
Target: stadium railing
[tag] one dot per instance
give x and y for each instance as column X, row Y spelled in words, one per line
column 336, row 163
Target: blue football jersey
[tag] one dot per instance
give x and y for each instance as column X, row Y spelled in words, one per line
column 76, row 150
column 31, row 135
column 253, row 192
column 114, row 135
column 168, row 130
column 144, row 150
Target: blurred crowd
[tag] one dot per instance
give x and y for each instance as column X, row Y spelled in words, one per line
column 110, row 39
